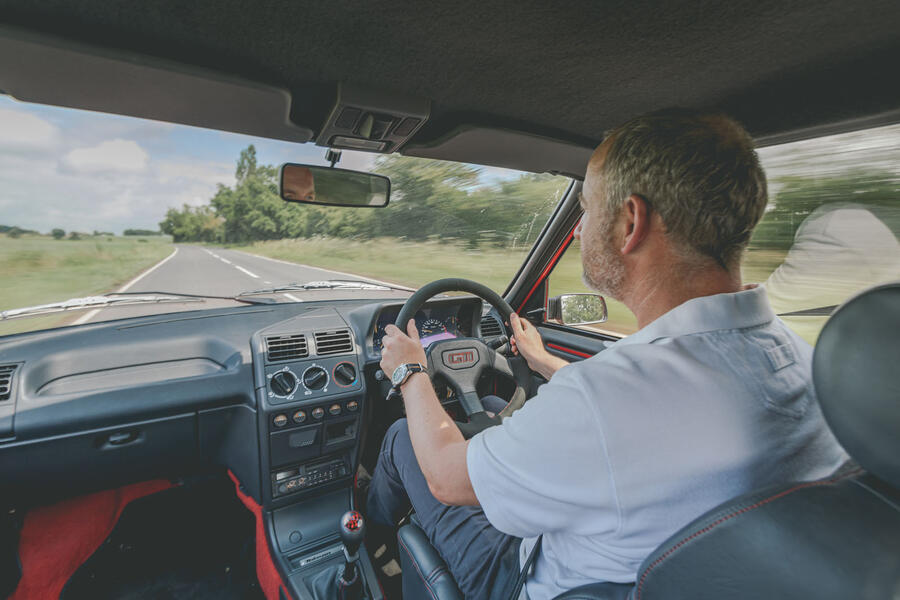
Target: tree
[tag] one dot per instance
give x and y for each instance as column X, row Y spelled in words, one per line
column 428, row 199
column 193, row 224
column 58, row 234
column 135, row 232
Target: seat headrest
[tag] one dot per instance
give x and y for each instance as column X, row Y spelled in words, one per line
column 856, row 373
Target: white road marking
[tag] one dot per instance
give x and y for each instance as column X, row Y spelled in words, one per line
column 243, row 270
column 292, row 297
column 353, row 275
column 90, row 315
column 225, row 260
column 269, row 282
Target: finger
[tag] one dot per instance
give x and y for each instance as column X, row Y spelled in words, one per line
column 525, row 324
column 391, row 330
column 516, row 324
column 412, row 330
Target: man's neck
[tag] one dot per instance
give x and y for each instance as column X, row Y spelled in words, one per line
column 662, row 288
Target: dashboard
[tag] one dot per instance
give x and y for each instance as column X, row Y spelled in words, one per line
column 280, row 395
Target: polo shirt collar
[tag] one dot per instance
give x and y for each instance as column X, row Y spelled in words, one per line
column 738, row 310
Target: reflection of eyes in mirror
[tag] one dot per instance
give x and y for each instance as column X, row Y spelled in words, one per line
column 331, row 186
column 298, row 184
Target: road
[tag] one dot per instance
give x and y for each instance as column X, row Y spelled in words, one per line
column 220, row 272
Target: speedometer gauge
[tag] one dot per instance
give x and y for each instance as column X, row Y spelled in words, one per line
column 431, row 327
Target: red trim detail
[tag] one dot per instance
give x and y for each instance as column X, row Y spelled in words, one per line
column 57, row 539
column 736, row 513
column 549, row 266
column 569, row 350
column 269, row 578
column 334, row 379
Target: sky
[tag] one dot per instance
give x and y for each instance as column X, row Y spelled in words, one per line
column 86, row 171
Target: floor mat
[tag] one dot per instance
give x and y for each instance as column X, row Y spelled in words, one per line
column 194, row 541
column 55, row 540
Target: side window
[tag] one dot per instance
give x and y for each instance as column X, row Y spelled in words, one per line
column 566, row 279
column 830, row 230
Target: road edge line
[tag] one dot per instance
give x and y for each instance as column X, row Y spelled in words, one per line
column 294, row 264
column 90, row 315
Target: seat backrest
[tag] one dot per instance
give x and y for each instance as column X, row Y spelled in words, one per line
column 835, row 538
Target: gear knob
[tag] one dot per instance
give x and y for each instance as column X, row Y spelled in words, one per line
column 353, row 530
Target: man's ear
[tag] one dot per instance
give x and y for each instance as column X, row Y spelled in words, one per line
column 636, row 213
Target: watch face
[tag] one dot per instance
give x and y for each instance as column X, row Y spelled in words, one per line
column 399, row 374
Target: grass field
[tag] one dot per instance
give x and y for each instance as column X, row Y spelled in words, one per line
column 414, row 264
column 40, row 269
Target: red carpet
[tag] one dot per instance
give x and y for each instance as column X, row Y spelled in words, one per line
column 266, row 571
column 57, row 539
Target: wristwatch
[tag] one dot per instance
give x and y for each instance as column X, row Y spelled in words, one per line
column 403, row 372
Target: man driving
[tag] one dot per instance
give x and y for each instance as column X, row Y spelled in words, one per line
column 711, row 398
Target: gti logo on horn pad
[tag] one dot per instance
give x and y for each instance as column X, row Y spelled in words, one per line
column 460, row 359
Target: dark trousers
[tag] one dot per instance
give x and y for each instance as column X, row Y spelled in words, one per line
column 483, row 561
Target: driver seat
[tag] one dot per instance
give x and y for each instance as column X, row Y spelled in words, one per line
column 835, row 538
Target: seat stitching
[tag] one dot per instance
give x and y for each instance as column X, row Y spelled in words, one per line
column 416, row 565
column 431, row 575
column 736, row 513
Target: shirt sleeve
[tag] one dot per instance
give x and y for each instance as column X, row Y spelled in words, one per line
column 545, row 467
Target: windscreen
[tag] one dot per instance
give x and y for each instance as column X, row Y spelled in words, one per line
column 95, row 204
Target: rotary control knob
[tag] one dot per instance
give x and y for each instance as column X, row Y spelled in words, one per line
column 315, row 378
column 345, row 373
column 283, row 383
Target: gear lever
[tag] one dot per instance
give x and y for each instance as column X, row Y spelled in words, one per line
column 353, row 530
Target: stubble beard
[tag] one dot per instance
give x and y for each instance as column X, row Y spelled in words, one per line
column 602, row 264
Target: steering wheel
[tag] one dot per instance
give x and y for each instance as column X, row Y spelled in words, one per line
column 462, row 361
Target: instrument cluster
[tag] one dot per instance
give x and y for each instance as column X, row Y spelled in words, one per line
column 433, row 323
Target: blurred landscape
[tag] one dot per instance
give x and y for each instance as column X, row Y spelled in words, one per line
column 830, row 230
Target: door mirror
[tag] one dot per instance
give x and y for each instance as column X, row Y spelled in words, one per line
column 310, row 184
column 576, row 309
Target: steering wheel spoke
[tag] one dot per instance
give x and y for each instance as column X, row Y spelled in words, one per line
column 462, row 361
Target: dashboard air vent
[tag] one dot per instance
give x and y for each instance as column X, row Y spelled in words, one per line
column 336, row 341
column 286, row 347
column 6, row 381
column 490, row 327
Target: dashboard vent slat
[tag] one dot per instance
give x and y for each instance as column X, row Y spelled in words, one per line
column 286, row 347
column 490, row 327
column 6, row 381
column 333, row 342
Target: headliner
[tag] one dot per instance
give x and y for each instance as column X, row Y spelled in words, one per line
column 568, row 71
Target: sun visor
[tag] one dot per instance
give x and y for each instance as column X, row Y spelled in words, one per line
column 53, row 71
column 508, row 149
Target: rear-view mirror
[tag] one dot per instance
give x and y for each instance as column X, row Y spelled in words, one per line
column 310, row 184
column 576, row 309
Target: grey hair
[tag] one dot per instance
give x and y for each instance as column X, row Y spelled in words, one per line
column 699, row 171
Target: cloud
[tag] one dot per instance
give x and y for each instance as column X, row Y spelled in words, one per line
column 24, row 132
column 116, row 156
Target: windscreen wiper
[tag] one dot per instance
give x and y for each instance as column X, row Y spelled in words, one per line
column 115, row 299
column 330, row 284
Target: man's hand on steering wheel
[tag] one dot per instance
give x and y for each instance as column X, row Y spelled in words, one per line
column 527, row 342
column 401, row 348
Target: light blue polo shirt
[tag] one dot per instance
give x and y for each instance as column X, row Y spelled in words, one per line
column 619, row 451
